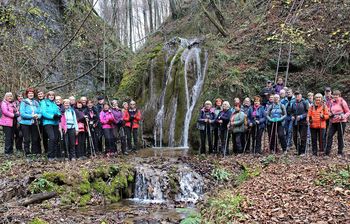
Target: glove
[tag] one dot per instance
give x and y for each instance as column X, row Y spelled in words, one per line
column 275, row 119
column 57, row 116
column 132, row 118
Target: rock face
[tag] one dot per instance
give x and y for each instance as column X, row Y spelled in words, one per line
column 171, row 86
column 32, row 46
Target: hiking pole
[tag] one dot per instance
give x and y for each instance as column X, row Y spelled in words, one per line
column 246, row 142
column 275, row 146
column 92, row 147
column 342, row 134
column 272, row 128
column 226, row 139
column 254, row 141
column 40, row 135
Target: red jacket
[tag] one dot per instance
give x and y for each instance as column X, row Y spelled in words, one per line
column 135, row 122
column 314, row 115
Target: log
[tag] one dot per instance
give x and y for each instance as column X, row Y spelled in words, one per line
column 220, row 28
column 37, row 198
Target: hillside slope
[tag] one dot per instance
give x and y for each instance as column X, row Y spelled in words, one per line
column 240, row 63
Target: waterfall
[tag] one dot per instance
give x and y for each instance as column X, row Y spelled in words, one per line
column 191, row 186
column 152, row 184
column 158, row 130
column 193, row 54
column 190, row 56
column 172, row 124
column 149, row 184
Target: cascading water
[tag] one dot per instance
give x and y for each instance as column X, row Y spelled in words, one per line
column 191, row 59
column 193, row 54
column 172, row 124
column 191, row 186
column 153, row 184
column 158, row 130
column 149, row 184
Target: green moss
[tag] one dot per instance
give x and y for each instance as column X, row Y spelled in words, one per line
column 69, row 198
column 55, row 177
column 101, row 171
column 84, row 199
column 38, row 221
column 84, row 187
column 42, row 185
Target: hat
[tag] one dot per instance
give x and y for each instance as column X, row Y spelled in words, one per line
column 269, row 81
column 297, row 92
column 100, row 98
column 327, row 89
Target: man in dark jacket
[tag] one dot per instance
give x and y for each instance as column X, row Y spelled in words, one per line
column 222, row 121
column 266, row 92
column 299, row 109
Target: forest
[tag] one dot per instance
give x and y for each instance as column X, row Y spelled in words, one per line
column 175, row 60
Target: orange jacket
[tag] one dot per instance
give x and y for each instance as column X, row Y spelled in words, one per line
column 135, row 122
column 314, row 115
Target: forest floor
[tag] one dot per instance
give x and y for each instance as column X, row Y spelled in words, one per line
column 274, row 189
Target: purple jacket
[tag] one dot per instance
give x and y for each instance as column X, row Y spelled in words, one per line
column 8, row 111
column 118, row 116
column 278, row 88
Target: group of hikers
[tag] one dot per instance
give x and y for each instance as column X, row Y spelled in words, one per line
column 277, row 115
column 76, row 129
column 67, row 128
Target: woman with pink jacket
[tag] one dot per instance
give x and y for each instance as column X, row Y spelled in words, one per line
column 9, row 114
column 108, row 123
column 339, row 113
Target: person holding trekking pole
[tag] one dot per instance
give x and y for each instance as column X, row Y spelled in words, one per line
column 276, row 114
column 257, row 121
column 222, row 121
column 299, row 110
column 30, row 115
column 204, row 124
column 91, row 114
column 317, row 116
column 339, row 114
column 51, row 115
column 70, row 129
column 237, row 128
column 131, row 117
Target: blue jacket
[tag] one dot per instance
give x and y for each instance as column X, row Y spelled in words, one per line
column 276, row 113
column 27, row 109
column 210, row 114
column 259, row 116
column 48, row 110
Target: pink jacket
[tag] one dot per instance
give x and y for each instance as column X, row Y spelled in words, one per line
column 8, row 113
column 339, row 111
column 107, row 119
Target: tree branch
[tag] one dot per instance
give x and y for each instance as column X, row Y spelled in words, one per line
column 220, row 28
column 66, row 44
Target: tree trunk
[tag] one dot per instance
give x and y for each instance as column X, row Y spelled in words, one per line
column 150, row 7
column 126, row 23
column 174, row 12
column 145, row 21
column 130, row 23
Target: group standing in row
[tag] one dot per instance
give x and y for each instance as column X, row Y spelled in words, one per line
column 67, row 128
column 277, row 115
